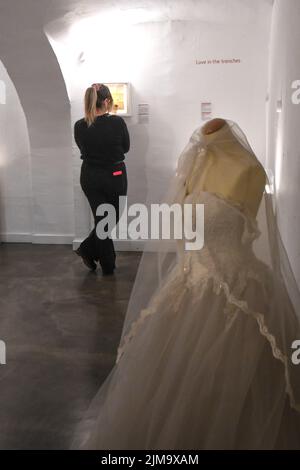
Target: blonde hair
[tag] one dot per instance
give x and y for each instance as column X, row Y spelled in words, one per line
column 90, row 102
column 93, row 99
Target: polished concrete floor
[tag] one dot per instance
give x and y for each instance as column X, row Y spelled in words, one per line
column 61, row 325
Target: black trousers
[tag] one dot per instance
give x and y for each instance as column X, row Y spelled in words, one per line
column 101, row 186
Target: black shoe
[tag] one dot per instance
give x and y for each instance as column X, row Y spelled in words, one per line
column 89, row 262
column 108, row 271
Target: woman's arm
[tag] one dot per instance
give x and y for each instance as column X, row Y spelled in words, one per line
column 76, row 135
column 126, row 138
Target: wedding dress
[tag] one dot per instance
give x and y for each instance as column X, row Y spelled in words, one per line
column 206, row 363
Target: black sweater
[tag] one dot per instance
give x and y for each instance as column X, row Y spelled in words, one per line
column 104, row 142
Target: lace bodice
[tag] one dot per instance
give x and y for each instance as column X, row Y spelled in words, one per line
column 228, row 237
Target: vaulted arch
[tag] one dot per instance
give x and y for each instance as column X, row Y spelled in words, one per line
column 33, row 68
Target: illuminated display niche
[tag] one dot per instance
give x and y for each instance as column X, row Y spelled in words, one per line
column 121, row 96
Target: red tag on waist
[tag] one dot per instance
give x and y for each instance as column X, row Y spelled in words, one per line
column 120, row 172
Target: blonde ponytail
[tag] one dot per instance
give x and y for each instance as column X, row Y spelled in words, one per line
column 90, row 101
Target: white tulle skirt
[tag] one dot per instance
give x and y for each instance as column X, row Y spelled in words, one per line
column 200, row 371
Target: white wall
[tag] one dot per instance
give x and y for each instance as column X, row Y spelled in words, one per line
column 15, row 171
column 283, row 128
column 159, row 59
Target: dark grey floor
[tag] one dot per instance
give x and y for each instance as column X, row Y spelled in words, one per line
column 61, row 325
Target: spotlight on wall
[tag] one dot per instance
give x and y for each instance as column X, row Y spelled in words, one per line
column 114, row 19
column 269, row 188
column 279, row 106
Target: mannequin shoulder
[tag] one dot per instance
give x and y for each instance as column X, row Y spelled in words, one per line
column 257, row 180
column 259, row 173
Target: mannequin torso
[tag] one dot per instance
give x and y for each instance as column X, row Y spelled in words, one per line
column 234, row 173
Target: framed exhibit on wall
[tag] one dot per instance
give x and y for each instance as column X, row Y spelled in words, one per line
column 122, row 98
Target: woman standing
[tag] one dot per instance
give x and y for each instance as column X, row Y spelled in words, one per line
column 103, row 139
